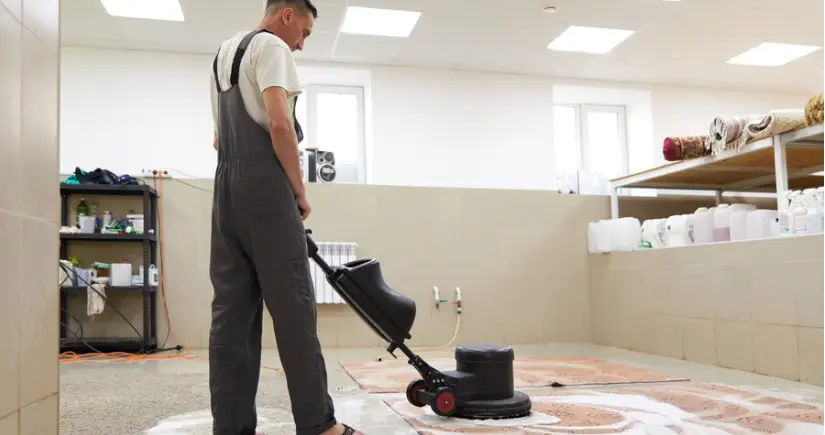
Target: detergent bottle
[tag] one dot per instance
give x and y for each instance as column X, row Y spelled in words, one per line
column 812, row 219
column 786, row 215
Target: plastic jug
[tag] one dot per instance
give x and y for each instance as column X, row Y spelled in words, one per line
column 703, row 225
column 758, row 224
column 738, row 220
column 626, row 234
column 603, row 235
column 653, row 232
column 721, row 223
column 593, row 238
column 677, row 231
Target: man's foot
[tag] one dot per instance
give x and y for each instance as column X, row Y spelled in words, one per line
column 342, row 429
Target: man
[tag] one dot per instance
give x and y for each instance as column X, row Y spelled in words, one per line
column 259, row 252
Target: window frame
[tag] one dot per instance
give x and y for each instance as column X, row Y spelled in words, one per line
column 310, row 96
column 582, row 153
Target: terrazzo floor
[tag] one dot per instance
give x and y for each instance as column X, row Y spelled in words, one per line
column 164, row 397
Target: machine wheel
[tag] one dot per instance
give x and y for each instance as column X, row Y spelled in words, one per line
column 412, row 392
column 444, row 403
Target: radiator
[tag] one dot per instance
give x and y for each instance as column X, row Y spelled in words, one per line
column 335, row 254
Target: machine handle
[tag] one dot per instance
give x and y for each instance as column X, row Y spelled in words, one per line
column 312, row 250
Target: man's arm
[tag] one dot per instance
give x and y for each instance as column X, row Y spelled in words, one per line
column 284, row 139
column 277, row 77
column 215, row 142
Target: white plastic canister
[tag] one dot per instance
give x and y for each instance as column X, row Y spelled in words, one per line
column 738, row 220
column 703, row 226
column 721, row 223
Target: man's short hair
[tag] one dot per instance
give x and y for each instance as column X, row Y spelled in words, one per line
column 304, row 6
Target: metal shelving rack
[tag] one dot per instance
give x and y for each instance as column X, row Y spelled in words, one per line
column 774, row 164
column 148, row 341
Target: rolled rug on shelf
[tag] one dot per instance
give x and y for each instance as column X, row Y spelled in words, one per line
column 814, row 110
column 726, row 132
column 684, row 148
column 774, row 122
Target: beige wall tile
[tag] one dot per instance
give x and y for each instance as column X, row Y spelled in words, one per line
column 15, row 7
column 42, row 18
column 735, row 345
column 699, row 340
column 772, row 299
column 668, row 336
column 41, row 417
column 808, row 289
column 9, row 424
column 11, row 67
column 39, row 127
column 733, row 299
column 811, row 355
column 776, row 350
column 40, row 311
column 10, row 233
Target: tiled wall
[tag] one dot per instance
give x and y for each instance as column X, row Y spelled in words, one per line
column 520, row 258
column 29, row 203
column 755, row 306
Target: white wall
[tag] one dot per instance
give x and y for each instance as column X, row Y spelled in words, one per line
column 130, row 110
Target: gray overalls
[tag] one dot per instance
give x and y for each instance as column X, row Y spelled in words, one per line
column 259, row 252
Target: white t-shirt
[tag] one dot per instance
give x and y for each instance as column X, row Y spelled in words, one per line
column 268, row 62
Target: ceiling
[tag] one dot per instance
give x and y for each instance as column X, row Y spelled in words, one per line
column 676, row 42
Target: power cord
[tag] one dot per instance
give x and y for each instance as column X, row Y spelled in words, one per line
column 76, row 286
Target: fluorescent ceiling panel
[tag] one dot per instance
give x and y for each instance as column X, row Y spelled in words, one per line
column 379, row 22
column 166, row 10
column 772, row 54
column 589, row 39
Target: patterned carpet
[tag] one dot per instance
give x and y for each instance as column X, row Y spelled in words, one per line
column 677, row 408
column 392, row 376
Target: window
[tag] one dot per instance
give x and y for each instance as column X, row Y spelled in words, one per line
column 332, row 118
column 590, row 145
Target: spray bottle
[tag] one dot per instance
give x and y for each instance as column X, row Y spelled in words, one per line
column 786, row 215
column 813, row 216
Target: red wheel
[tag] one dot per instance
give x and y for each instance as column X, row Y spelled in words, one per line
column 444, row 404
column 412, row 392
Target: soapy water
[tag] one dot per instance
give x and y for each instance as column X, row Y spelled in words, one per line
column 633, row 415
column 359, row 412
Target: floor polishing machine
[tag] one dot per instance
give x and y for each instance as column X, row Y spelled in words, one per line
column 481, row 387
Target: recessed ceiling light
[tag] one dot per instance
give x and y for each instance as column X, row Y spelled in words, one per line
column 166, row 10
column 379, row 22
column 551, row 9
column 772, row 54
column 589, row 39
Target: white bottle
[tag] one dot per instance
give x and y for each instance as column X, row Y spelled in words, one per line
column 153, row 275
column 786, row 216
column 812, row 220
column 721, row 223
column 702, row 226
column 107, row 219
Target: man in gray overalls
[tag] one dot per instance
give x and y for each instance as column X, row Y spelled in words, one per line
column 259, row 251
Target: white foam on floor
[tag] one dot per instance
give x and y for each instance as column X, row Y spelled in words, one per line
column 201, row 422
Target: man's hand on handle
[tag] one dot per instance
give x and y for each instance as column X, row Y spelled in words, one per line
column 303, row 206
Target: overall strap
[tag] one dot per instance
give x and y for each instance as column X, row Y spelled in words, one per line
column 236, row 62
column 239, row 53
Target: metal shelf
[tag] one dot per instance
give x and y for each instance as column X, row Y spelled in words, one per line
column 108, row 344
column 147, row 241
column 96, row 237
column 774, row 164
column 111, row 289
column 102, row 189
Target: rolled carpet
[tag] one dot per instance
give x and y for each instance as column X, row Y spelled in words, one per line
column 684, row 148
column 773, row 123
column 814, row 110
column 726, row 132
